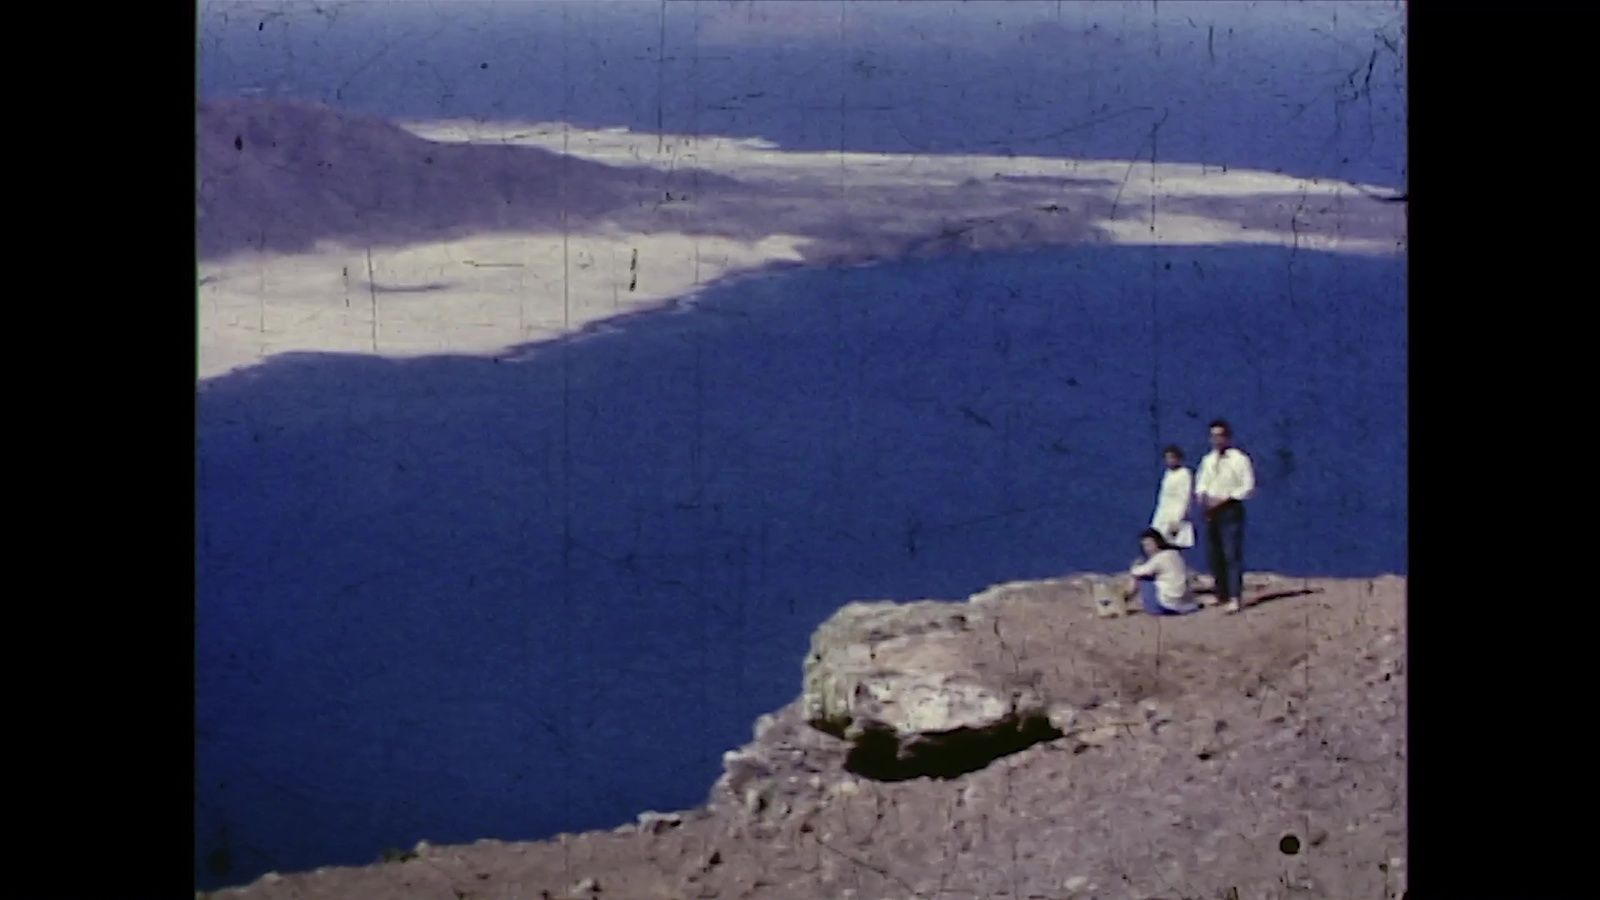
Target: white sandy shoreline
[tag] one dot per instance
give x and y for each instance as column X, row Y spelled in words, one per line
column 483, row 293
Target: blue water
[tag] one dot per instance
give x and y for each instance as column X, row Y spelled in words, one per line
column 1315, row 89
column 451, row 598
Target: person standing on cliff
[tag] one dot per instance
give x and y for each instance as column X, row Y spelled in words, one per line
column 1171, row 517
column 1226, row 480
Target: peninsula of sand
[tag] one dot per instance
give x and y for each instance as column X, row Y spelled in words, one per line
column 325, row 231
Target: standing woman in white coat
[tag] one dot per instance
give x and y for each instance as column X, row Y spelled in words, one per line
column 1171, row 517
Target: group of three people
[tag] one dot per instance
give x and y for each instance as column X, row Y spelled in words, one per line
column 1225, row 480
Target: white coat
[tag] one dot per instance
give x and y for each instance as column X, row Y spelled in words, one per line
column 1171, row 517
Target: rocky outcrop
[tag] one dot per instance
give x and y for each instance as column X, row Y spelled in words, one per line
column 913, row 689
column 940, row 689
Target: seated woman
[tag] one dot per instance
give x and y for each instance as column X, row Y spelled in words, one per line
column 1161, row 579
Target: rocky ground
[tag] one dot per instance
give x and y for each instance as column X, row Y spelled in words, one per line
column 1016, row 746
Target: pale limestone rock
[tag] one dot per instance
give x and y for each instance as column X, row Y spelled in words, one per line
column 908, row 671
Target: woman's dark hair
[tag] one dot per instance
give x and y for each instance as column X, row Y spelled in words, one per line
column 1172, row 449
column 1161, row 542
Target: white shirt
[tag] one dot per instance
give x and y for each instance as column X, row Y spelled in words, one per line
column 1170, row 575
column 1172, row 507
column 1229, row 476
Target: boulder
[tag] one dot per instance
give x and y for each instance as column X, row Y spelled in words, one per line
column 914, row 688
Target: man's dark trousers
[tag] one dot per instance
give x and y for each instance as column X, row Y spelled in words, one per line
column 1225, row 549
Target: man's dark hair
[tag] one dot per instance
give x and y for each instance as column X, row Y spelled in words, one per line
column 1223, row 424
column 1161, row 542
column 1173, row 449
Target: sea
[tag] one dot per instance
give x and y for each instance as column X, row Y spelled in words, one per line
column 452, row 598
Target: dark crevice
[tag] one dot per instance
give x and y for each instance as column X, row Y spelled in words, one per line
column 879, row 756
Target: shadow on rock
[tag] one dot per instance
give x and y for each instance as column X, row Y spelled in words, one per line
column 878, row 754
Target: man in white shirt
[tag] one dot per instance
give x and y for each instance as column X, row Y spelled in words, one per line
column 1226, row 479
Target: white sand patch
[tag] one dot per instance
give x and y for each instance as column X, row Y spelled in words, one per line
column 478, row 295
column 487, row 293
column 746, row 157
column 1314, row 219
column 1177, row 228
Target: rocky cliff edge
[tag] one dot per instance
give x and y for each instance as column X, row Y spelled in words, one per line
column 1014, row 745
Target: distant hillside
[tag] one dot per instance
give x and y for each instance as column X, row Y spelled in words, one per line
column 280, row 175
